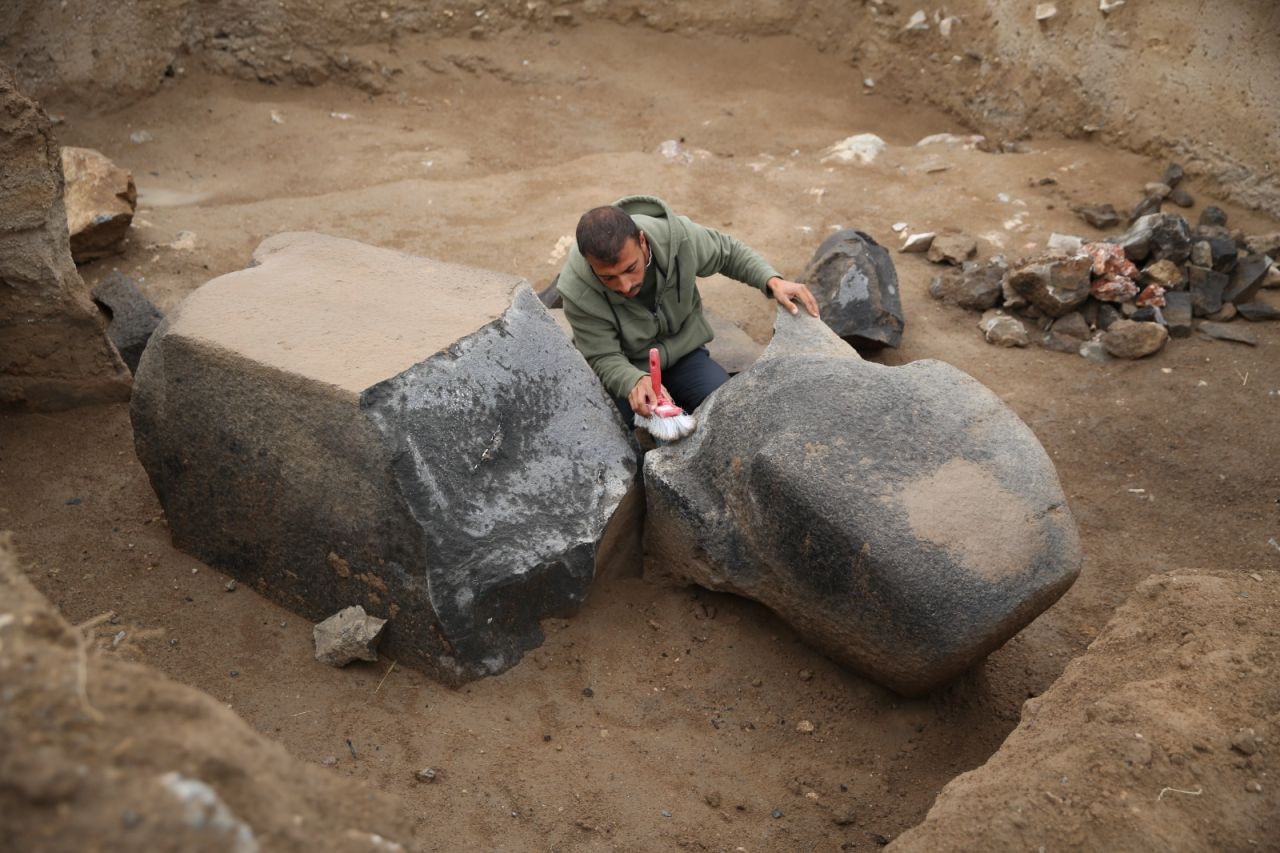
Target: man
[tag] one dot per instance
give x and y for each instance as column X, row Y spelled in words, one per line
column 629, row 285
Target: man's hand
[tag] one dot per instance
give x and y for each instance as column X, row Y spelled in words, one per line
column 785, row 291
column 642, row 398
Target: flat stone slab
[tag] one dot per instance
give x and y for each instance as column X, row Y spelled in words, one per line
column 903, row 519
column 342, row 425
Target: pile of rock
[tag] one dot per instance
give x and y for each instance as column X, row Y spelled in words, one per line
column 1122, row 297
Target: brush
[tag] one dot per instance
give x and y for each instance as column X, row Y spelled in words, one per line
column 668, row 422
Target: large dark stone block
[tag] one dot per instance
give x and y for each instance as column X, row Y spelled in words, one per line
column 856, row 285
column 343, row 425
column 901, row 518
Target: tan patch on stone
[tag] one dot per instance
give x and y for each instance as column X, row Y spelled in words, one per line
column 370, row 579
column 962, row 508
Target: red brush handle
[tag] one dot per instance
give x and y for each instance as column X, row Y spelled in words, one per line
column 655, row 373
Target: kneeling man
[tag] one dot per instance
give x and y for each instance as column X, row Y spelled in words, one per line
column 630, row 284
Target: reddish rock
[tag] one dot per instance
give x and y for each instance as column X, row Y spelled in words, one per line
column 1152, row 296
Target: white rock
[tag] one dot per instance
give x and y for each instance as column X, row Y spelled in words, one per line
column 863, row 148
column 1045, row 11
column 350, row 634
column 1108, row 6
column 918, row 21
column 899, row 227
column 946, row 24
column 918, row 242
column 1064, row 243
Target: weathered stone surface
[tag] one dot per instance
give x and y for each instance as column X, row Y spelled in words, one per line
column 975, row 287
column 856, row 286
column 1003, row 330
column 1246, row 278
column 350, row 634
column 1182, row 198
column 316, row 426
column 1227, row 332
column 1054, row 285
column 1131, row 339
column 54, row 351
column 1100, row 216
column 133, row 318
column 908, row 524
column 1256, row 311
column 1165, row 273
column 1206, row 288
column 1201, row 254
column 1058, row 342
column 100, row 200
column 952, row 248
column 1177, row 313
column 1157, row 236
column 1173, row 175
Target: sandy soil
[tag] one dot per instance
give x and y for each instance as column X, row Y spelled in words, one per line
column 485, row 152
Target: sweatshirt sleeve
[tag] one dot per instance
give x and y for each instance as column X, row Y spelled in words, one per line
column 597, row 340
column 720, row 253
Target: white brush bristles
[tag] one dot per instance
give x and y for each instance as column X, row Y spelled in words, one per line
column 673, row 428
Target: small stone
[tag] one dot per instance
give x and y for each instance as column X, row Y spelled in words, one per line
column 712, row 798
column 1129, row 339
column 73, row 502
column 1100, row 216
column 975, row 287
column 776, row 813
column 1045, row 11
column 1148, row 206
column 330, row 761
column 806, row 675
column 917, row 243
column 1058, row 342
column 805, row 727
column 1152, row 296
column 666, row 812
column 1064, row 244
column 757, row 681
column 1003, row 330
column 1256, row 311
column 426, row 774
column 230, row 586
column 1227, row 332
column 1225, row 314
column 1165, row 273
column 1094, row 351
column 1108, row 314
column 879, row 839
column 1212, row 215
column 1182, row 198
column 350, row 634
column 1202, row 253
column 1072, row 325
column 1264, row 244
column 844, row 817
column 1157, row 189
column 1177, row 313
column 1245, row 742
column 1253, row 787
column 1149, row 314
column 588, row 692
column 1271, row 280
column 952, row 248
column 1173, row 175
column 130, row 819
column 546, row 738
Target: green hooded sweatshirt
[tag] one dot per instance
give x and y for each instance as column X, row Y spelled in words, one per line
column 614, row 333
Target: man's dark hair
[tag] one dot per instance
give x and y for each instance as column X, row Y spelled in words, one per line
column 603, row 231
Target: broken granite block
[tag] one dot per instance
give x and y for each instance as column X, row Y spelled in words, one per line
column 908, row 524
column 341, row 424
column 856, row 286
column 350, row 634
column 1055, row 285
column 132, row 316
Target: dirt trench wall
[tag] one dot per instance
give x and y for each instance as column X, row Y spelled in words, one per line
column 1183, row 79
column 54, row 351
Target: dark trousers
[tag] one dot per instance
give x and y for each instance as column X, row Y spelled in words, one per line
column 690, row 381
